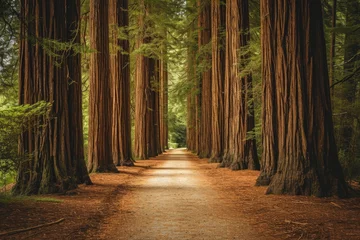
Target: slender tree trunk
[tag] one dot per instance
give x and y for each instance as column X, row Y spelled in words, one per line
column 151, row 128
column 204, row 25
column 141, row 86
column 156, row 112
column 332, row 46
column 299, row 155
column 120, row 77
column 218, row 76
column 75, row 93
column 100, row 112
column 42, row 76
column 191, row 133
column 163, row 97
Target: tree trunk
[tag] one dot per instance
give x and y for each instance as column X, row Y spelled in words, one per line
column 141, row 86
column 241, row 150
column 120, row 78
column 100, row 107
column 146, row 109
column 347, row 91
column 332, row 46
column 191, row 137
column 75, row 93
column 43, row 76
column 163, row 98
column 299, row 155
column 204, row 25
column 218, row 76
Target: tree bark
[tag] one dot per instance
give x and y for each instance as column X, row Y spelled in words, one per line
column 43, row 76
column 141, row 86
column 191, row 133
column 218, row 76
column 163, row 98
column 241, row 150
column 332, row 46
column 299, row 155
column 120, row 82
column 147, row 138
column 100, row 107
column 204, row 25
column 75, row 93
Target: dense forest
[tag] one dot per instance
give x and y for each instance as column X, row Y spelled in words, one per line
column 271, row 85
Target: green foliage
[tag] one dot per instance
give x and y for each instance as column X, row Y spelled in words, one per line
column 8, row 199
column 13, row 121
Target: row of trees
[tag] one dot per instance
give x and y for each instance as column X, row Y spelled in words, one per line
column 50, row 70
column 299, row 154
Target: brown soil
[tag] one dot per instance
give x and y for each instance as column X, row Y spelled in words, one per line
column 178, row 196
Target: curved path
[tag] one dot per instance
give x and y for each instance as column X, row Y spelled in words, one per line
column 175, row 200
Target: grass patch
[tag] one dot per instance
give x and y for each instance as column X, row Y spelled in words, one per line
column 46, row 199
column 8, row 198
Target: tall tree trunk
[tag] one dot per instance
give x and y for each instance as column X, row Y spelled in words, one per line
column 347, row 91
column 141, row 86
column 100, row 149
column 146, row 109
column 241, row 151
column 218, row 76
column 332, row 46
column 163, row 98
column 191, row 133
column 120, row 77
column 75, row 93
column 156, row 112
column 204, row 25
column 298, row 135
column 43, row 76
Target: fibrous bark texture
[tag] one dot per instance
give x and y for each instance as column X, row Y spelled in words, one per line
column 56, row 162
column 75, row 93
column 204, row 38
column 100, row 105
column 147, row 122
column 163, row 98
column 191, row 120
column 299, row 151
column 218, row 76
column 120, row 84
column 240, row 150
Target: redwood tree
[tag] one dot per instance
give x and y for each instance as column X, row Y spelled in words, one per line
column 147, row 139
column 240, row 151
column 163, row 98
column 204, row 38
column 100, row 107
column 75, row 93
column 299, row 151
column 56, row 158
column 120, row 84
column 218, row 19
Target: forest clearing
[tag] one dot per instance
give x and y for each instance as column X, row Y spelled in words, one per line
column 179, row 119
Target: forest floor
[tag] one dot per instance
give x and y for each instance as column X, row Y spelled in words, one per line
column 178, row 196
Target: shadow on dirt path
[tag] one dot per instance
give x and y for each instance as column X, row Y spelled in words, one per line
column 175, row 200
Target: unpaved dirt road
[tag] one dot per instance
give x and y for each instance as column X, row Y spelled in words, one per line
column 175, row 200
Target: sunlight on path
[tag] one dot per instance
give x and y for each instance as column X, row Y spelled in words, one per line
column 175, row 201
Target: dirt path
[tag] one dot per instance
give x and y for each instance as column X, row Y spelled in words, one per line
column 176, row 200
column 179, row 196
